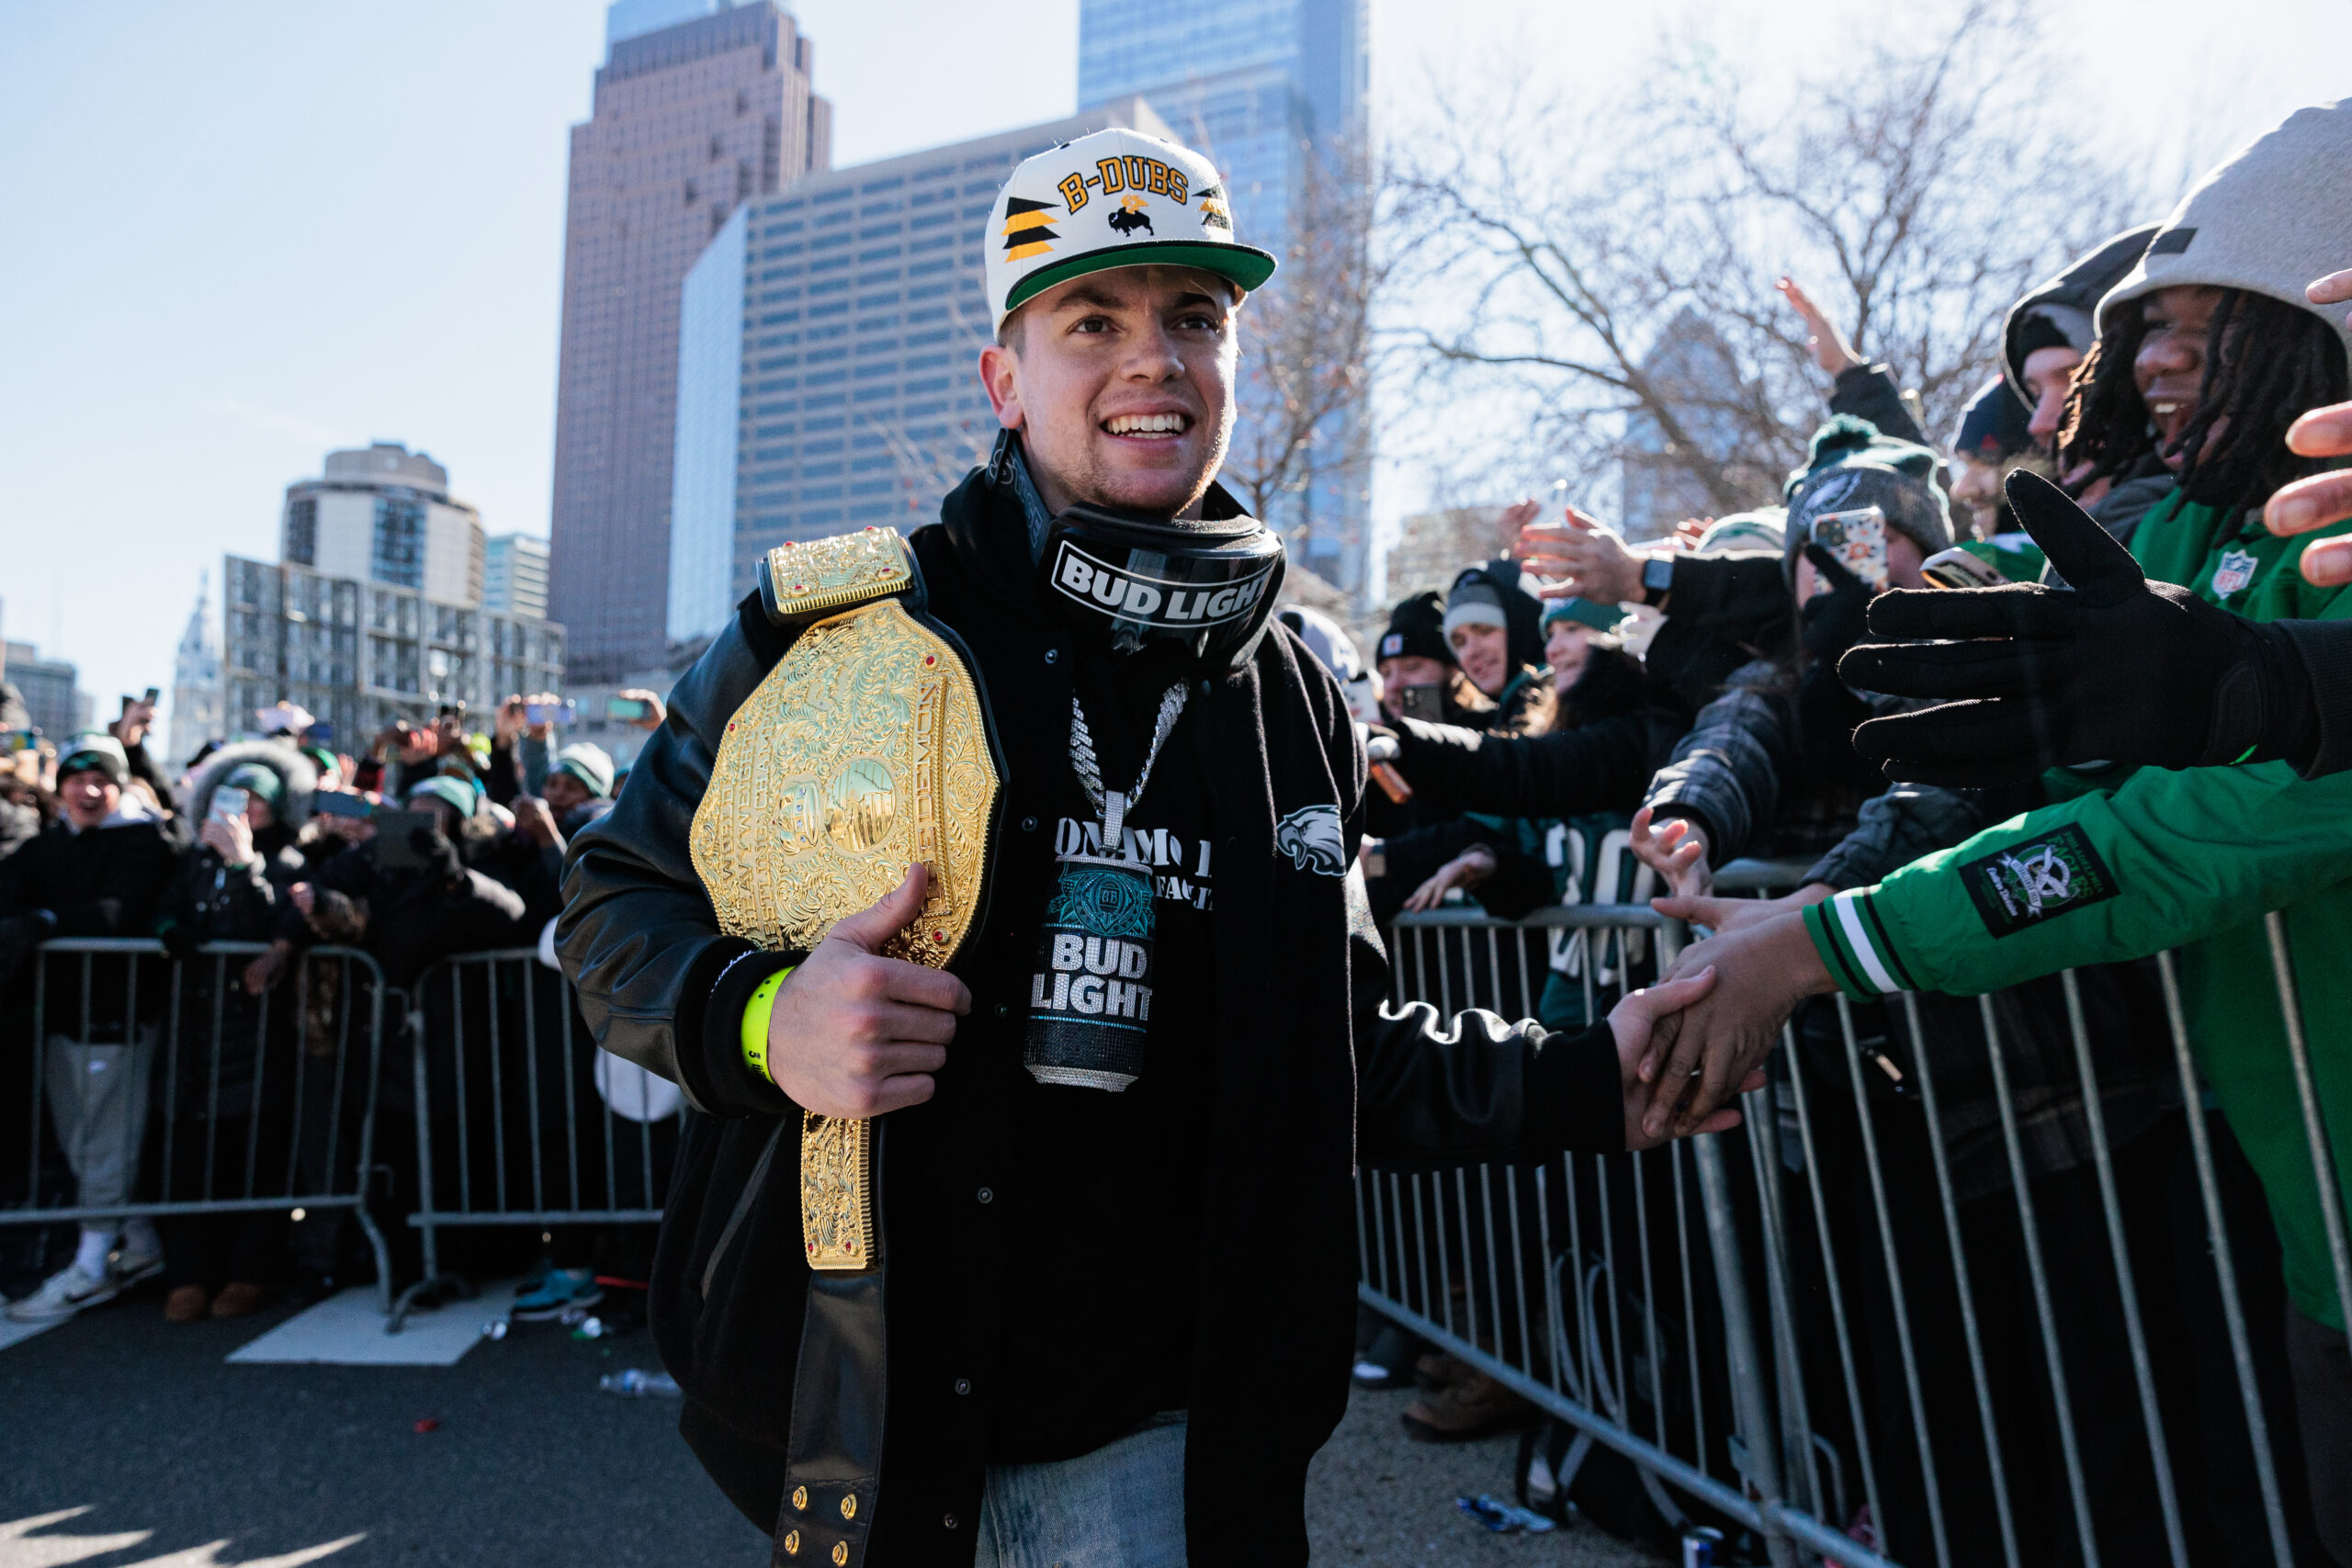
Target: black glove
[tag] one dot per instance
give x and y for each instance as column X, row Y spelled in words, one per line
column 1828, row 711
column 2112, row 668
column 20, row 934
column 1834, row 621
column 179, row 938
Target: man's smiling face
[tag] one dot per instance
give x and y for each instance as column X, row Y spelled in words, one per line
column 1120, row 384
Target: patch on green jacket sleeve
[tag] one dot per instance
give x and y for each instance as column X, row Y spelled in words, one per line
column 2029, row 883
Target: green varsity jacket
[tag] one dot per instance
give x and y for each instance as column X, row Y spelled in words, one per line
column 2137, row 862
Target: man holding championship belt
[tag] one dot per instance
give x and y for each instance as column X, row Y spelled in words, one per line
column 991, row 892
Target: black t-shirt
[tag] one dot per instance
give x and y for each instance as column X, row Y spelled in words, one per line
column 1107, row 1186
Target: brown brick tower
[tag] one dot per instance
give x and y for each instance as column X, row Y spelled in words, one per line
column 688, row 122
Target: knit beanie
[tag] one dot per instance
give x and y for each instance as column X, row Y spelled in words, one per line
column 588, row 762
column 94, row 753
column 2040, row 331
column 1583, row 613
column 256, row 778
column 2270, row 219
column 447, row 788
column 1417, row 629
column 2058, row 313
column 1473, row 600
column 1766, row 528
column 1489, row 595
column 1992, row 425
column 1851, row 465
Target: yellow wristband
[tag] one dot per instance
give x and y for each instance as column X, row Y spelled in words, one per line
column 755, row 1023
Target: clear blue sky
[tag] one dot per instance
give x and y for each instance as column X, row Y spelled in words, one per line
column 235, row 234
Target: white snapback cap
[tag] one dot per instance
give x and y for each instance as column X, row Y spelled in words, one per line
column 1118, row 197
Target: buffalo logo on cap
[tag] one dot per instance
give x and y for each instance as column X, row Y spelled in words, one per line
column 1131, row 217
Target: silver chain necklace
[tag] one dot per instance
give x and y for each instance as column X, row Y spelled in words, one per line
column 1110, row 803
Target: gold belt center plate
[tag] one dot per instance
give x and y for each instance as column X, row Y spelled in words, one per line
column 863, row 752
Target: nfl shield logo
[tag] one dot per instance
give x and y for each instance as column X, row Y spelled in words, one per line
column 2234, row 572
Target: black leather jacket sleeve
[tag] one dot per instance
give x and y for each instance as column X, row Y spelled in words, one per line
column 1433, row 1091
column 637, row 935
column 1603, row 766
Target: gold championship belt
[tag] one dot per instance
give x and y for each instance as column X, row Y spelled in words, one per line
column 864, row 752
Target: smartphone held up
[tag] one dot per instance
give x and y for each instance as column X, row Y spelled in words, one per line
column 1856, row 541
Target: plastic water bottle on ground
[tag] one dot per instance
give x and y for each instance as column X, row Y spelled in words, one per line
column 633, row 1383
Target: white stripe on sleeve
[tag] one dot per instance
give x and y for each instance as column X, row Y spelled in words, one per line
column 1849, row 916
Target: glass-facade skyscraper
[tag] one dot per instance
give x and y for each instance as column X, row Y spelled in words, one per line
column 699, row 108
column 1260, row 86
column 1250, row 82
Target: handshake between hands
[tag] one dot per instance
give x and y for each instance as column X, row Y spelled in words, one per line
column 1719, row 1007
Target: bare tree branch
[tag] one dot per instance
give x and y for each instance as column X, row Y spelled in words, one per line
column 1600, row 270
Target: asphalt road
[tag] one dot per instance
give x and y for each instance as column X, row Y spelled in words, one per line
column 168, row 1448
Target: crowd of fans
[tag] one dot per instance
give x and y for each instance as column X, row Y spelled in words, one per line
column 1577, row 720
column 435, row 841
column 1582, row 719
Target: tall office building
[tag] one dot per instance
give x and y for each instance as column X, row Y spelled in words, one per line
column 1253, row 83
column 1689, row 367
column 691, row 119
column 384, row 513
column 52, row 690
column 375, row 609
column 359, row 654
column 515, row 575
column 827, row 361
column 1433, row 548
column 1264, row 88
column 196, row 680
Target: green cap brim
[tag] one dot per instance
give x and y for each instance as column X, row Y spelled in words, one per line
column 1583, row 613
column 1243, row 266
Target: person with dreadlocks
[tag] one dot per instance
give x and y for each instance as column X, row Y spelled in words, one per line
column 2189, row 852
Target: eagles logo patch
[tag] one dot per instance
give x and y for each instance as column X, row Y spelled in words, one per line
column 1311, row 837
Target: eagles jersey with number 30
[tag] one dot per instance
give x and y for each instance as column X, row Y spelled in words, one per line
column 1591, row 862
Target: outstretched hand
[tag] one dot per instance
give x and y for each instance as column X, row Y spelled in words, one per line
column 1677, row 851
column 1578, row 557
column 1722, row 915
column 1465, row 870
column 2319, row 499
column 2110, row 668
column 1701, row 1056
column 1822, row 340
column 854, row 1034
column 1634, row 1022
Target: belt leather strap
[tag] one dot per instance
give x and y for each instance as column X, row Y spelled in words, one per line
column 840, row 1395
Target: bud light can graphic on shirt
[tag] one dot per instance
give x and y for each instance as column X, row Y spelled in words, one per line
column 1090, row 996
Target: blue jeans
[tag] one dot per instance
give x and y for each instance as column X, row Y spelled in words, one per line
column 1119, row 1506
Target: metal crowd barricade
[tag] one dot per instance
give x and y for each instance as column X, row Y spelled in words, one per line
column 520, row 1119
column 166, row 1088
column 1760, row 1321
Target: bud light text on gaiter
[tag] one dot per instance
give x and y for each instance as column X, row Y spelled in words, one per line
column 1090, row 995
